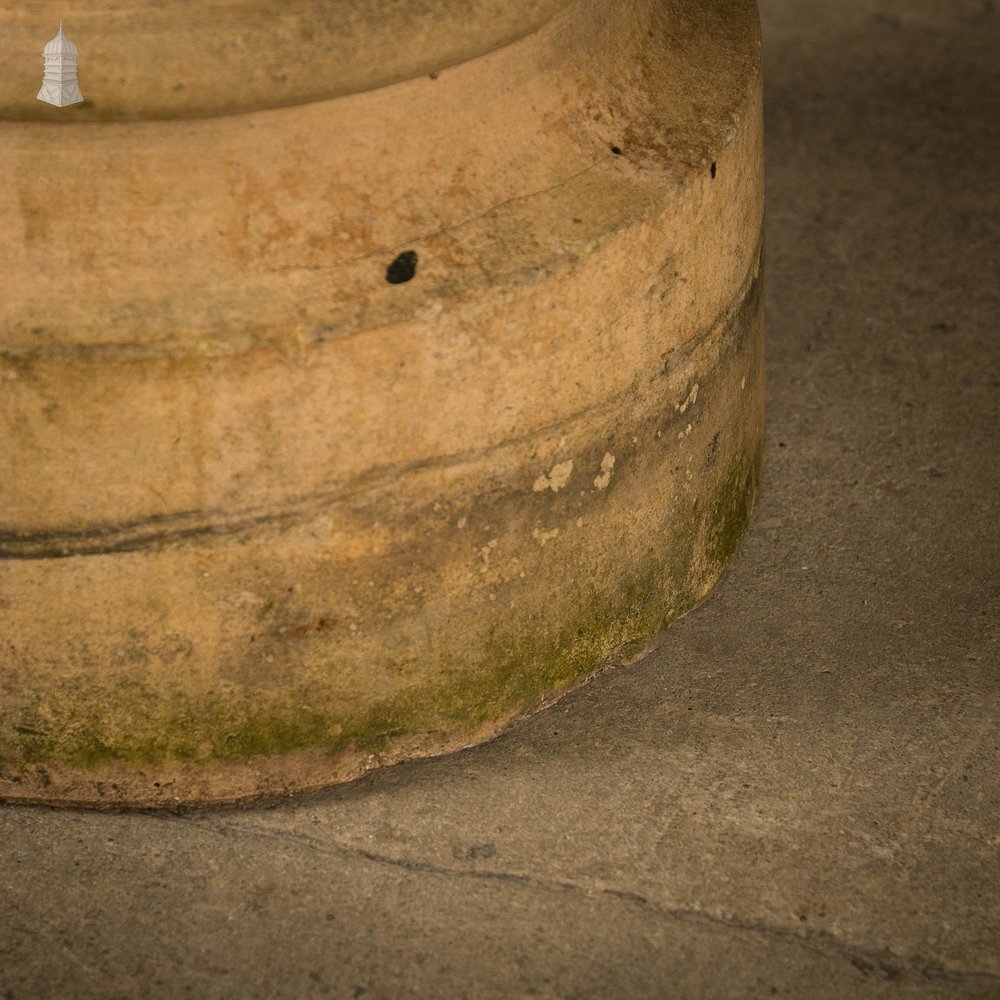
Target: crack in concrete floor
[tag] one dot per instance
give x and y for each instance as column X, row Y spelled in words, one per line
column 883, row 962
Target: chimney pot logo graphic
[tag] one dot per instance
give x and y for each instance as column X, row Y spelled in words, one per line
column 59, row 85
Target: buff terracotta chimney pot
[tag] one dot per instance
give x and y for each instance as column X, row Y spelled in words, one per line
column 371, row 374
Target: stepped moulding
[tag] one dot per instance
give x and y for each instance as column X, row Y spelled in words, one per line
column 372, row 374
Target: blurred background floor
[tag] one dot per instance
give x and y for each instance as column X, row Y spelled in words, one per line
column 798, row 793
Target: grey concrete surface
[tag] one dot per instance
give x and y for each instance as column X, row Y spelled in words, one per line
column 798, row 793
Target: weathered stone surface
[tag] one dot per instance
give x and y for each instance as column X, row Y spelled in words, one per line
column 270, row 519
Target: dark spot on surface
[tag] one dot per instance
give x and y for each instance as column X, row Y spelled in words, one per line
column 713, row 449
column 578, row 220
column 887, row 21
column 306, row 628
column 402, row 269
column 944, row 327
column 781, row 444
column 617, row 150
column 434, row 75
column 712, row 170
column 477, row 852
column 178, row 86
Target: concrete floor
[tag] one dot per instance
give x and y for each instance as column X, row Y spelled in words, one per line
column 798, row 794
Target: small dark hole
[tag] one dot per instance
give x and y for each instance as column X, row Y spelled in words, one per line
column 402, row 269
column 617, row 150
column 712, row 170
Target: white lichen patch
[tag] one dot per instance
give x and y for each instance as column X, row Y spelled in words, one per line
column 542, row 537
column 485, row 552
column 556, row 479
column 607, row 467
column 692, row 398
column 245, row 599
column 429, row 312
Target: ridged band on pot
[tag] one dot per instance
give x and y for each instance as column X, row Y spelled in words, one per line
column 269, row 519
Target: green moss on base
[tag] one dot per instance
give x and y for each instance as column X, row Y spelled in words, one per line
column 731, row 512
column 517, row 666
